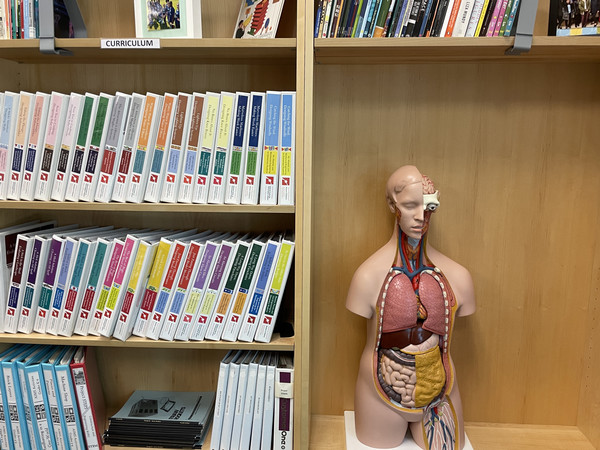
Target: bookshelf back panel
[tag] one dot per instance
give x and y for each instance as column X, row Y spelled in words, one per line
column 218, row 18
column 154, row 78
column 515, row 158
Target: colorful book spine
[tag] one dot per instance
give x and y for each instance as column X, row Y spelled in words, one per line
column 214, row 288
column 225, row 300
column 50, row 274
column 24, row 114
column 54, row 416
column 268, row 316
column 151, row 292
column 180, row 295
column 253, row 165
column 117, row 290
column 74, row 295
column 190, row 163
column 112, row 147
column 132, row 131
column 69, row 409
column 269, row 181
column 59, row 105
column 239, row 146
column 494, row 18
column 93, row 286
column 165, row 291
column 35, row 145
column 135, row 289
column 474, row 19
column 288, row 149
column 218, row 174
column 109, row 276
column 250, row 321
column 94, row 151
column 233, row 322
column 206, row 156
column 161, row 147
column 511, row 17
column 58, row 295
column 7, row 139
column 174, row 160
column 190, row 311
column 31, row 296
column 500, row 18
column 138, row 176
column 16, row 291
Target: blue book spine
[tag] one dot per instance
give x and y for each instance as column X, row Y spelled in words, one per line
column 69, row 410
column 263, row 278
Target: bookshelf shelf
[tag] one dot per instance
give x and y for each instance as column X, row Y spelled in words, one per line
column 146, row 207
column 180, row 51
column 445, row 50
column 277, row 343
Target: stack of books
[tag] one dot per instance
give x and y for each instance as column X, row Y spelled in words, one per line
column 162, row 419
column 254, row 401
column 156, row 284
column 54, row 397
column 415, row 18
column 216, row 148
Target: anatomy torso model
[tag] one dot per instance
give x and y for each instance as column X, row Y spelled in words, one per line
column 411, row 294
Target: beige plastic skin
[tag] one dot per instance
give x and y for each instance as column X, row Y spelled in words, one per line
column 377, row 424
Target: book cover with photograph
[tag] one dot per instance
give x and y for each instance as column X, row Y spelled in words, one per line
column 574, row 18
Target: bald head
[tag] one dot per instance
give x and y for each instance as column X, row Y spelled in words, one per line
column 399, row 180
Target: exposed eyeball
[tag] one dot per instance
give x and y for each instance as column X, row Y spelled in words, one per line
column 431, row 202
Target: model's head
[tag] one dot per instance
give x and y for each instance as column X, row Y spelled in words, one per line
column 412, row 197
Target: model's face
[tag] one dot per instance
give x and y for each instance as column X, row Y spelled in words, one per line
column 409, row 203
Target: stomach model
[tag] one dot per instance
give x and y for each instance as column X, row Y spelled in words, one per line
column 415, row 313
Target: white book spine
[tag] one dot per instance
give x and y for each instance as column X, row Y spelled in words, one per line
column 462, row 19
column 287, row 166
column 74, row 295
column 125, row 162
column 200, row 282
column 229, row 405
column 207, row 148
column 59, row 292
column 213, row 290
column 81, row 149
column 239, row 147
column 95, row 149
column 174, row 159
column 18, row 278
column 135, row 290
column 253, row 163
column 220, row 394
column 35, row 147
column 159, row 156
column 86, row 410
column 259, row 404
column 19, row 150
column 7, row 139
column 144, row 150
column 57, row 114
column 269, row 408
column 109, row 275
column 166, row 290
column 181, row 293
column 113, row 146
column 269, row 180
column 191, row 156
column 220, row 166
column 244, row 438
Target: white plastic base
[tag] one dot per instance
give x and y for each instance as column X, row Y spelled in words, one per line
column 352, row 442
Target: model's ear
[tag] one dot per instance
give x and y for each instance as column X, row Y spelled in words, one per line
column 391, row 204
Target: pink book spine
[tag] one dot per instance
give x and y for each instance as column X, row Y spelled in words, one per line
column 494, row 20
column 500, row 17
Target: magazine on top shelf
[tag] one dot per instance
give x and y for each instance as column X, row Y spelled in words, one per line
column 258, row 19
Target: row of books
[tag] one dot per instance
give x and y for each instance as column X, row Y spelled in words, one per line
column 162, row 419
column 190, row 148
column 415, row 18
column 158, row 284
column 254, row 401
column 19, row 19
column 52, row 398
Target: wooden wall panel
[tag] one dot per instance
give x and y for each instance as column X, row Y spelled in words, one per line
column 514, row 155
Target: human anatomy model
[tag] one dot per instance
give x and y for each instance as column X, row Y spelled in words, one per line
column 410, row 293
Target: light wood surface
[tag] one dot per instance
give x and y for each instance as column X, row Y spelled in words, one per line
column 328, row 433
column 519, row 208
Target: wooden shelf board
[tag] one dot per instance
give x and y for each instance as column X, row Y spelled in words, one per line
column 443, row 50
column 144, row 207
column 181, row 51
column 328, row 433
column 277, row 342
